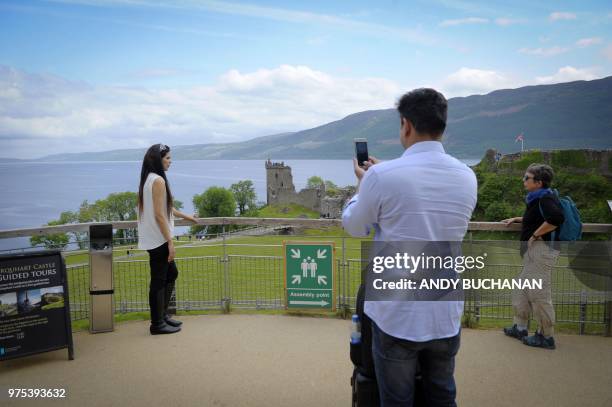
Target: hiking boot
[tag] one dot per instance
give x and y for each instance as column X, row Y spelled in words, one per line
column 539, row 341
column 163, row 329
column 514, row 332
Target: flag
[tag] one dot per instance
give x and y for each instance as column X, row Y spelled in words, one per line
column 519, row 138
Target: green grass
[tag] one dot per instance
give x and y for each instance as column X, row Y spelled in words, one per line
column 82, row 256
column 287, row 211
column 572, row 159
column 255, row 277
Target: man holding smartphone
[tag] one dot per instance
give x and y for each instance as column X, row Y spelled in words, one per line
column 424, row 195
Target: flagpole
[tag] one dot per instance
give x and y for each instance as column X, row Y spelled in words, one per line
column 522, row 149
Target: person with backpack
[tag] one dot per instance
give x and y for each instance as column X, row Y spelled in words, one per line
column 540, row 237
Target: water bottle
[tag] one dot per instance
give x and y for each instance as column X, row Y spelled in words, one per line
column 355, row 330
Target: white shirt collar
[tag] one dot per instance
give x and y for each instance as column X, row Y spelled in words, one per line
column 421, row 146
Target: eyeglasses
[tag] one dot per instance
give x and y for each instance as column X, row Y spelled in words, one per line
column 163, row 147
column 526, row 177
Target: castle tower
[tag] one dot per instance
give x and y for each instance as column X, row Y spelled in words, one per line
column 279, row 182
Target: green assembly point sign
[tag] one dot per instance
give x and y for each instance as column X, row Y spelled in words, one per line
column 309, row 275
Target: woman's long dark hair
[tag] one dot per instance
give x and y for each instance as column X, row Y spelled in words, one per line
column 152, row 162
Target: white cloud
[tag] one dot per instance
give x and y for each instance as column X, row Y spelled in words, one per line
column 544, row 52
column 43, row 114
column 505, row 21
column 569, row 74
column 463, row 21
column 468, row 81
column 561, row 15
column 587, row 42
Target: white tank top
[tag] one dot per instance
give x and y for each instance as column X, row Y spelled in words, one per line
column 149, row 234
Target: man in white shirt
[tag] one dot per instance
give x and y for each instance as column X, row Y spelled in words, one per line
column 424, row 195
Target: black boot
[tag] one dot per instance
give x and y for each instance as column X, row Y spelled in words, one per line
column 167, row 297
column 163, row 329
column 157, row 304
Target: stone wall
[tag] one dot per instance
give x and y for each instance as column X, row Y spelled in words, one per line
column 331, row 207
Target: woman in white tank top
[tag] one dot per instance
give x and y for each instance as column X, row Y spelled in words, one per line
column 155, row 232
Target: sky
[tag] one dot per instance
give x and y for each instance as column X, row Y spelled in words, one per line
column 97, row 75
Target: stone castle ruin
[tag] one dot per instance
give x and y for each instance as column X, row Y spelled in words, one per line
column 281, row 191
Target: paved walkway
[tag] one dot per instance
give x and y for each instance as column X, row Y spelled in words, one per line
column 276, row 360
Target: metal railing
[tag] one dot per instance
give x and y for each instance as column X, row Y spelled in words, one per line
column 227, row 274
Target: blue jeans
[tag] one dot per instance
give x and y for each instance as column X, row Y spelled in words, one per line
column 395, row 362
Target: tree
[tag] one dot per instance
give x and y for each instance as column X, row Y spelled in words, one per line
column 314, row 182
column 244, row 194
column 53, row 241
column 119, row 206
column 331, row 189
column 122, row 206
column 214, row 202
column 498, row 211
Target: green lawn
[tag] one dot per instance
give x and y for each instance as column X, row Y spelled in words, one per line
column 254, row 279
column 287, row 211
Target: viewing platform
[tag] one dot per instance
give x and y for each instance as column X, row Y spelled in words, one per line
column 244, row 350
column 279, row 360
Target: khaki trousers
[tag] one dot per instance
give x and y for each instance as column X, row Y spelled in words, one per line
column 538, row 264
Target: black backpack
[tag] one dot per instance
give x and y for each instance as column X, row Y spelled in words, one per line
column 363, row 381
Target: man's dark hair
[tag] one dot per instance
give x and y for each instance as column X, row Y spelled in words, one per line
column 426, row 109
column 541, row 172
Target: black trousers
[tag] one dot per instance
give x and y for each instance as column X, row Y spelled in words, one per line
column 163, row 278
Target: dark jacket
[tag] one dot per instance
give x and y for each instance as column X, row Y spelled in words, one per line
column 533, row 219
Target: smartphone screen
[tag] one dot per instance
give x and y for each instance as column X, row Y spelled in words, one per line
column 361, row 150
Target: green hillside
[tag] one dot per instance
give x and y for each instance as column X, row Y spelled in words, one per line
column 584, row 175
column 561, row 116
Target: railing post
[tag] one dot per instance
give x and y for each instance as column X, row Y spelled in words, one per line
column 608, row 299
column 583, row 311
column 608, row 318
column 345, row 281
column 226, row 300
column 473, row 301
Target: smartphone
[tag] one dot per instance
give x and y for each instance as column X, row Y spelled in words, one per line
column 361, row 150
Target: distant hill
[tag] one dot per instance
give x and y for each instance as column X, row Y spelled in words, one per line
column 11, row 160
column 561, row 116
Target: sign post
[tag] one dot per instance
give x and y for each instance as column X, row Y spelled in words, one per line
column 310, row 275
column 34, row 306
